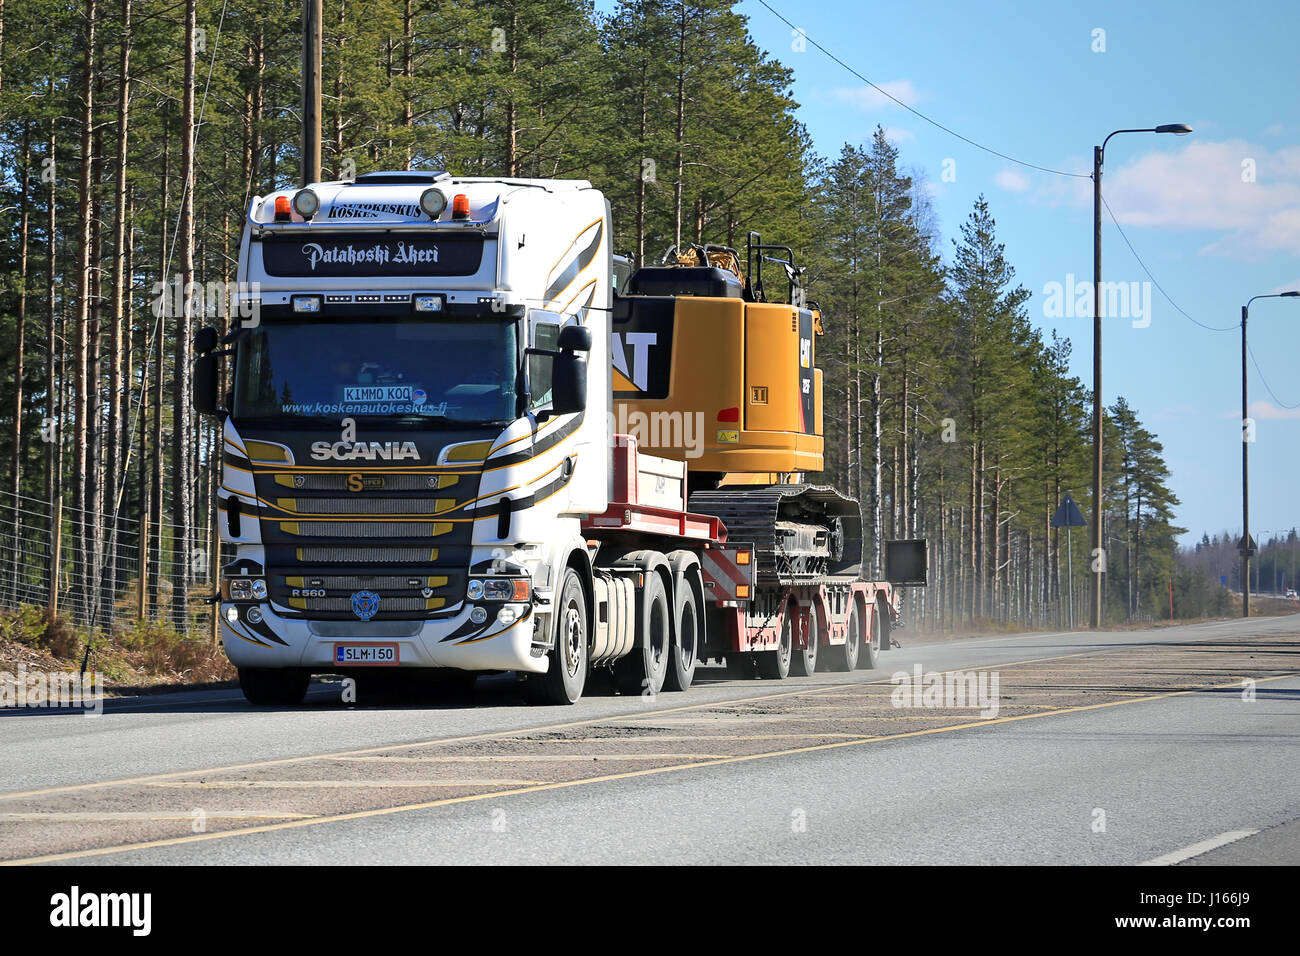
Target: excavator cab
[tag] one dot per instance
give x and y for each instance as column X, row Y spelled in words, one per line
column 699, row 351
column 709, row 370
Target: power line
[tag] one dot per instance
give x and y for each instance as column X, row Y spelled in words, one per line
column 915, row 112
column 1168, row 298
column 1212, row 328
column 1260, row 372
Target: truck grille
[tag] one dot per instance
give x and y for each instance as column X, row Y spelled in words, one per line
column 366, row 506
column 365, row 529
column 370, row 480
column 317, row 555
column 330, row 534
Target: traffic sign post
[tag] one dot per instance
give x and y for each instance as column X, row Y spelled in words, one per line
column 1069, row 516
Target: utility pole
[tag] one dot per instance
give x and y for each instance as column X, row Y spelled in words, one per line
column 311, row 75
column 1098, row 542
column 1248, row 436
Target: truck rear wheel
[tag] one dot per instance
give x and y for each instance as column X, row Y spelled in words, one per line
column 869, row 657
column 566, row 675
column 844, row 657
column 775, row 665
column 643, row 670
column 267, row 687
column 805, row 660
column 740, row 666
column 686, row 639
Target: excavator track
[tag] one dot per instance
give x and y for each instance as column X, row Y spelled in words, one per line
column 801, row 533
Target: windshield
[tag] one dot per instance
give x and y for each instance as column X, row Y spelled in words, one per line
column 417, row 370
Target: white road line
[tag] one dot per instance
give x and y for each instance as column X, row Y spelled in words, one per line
column 1196, row 849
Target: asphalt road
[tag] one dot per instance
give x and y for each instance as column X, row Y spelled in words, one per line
column 1123, row 771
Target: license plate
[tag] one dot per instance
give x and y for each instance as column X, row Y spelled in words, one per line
column 366, row 655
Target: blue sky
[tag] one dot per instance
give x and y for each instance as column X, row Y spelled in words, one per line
column 1023, row 78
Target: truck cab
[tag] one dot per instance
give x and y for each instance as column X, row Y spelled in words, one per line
column 414, row 406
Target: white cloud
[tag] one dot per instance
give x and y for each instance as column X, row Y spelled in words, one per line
column 1274, row 130
column 1264, row 411
column 1012, row 180
column 1292, row 286
column 1206, row 186
column 870, row 99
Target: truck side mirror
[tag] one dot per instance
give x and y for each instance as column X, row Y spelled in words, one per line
column 204, row 395
column 568, row 382
column 575, row 338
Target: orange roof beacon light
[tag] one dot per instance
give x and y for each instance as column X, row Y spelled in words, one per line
column 282, row 213
column 460, row 206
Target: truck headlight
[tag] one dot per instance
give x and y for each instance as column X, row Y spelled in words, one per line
column 507, row 589
column 246, row 589
column 474, row 590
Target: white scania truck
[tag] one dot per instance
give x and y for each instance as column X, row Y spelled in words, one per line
column 419, row 469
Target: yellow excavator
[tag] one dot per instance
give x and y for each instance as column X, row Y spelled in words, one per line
column 709, row 370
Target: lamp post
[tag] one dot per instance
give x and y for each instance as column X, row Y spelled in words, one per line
column 1246, row 439
column 1098, row 158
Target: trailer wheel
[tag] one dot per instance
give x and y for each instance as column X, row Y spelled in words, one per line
column 566, row 675
column 844, row 657
column 775, row 665
column 686, row 640
column 643, row 670
column 740, row 666
column 805, row 661
column 267, row 686
column 869, row 657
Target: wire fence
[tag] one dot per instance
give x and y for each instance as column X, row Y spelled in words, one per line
column 100, row 571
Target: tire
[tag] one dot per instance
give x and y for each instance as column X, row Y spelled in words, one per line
column 869, row 655
column 775, row 665
column 804, row 662
column 568, row 661
column 740, row 666
column 267, row 687
column 642, row 671
column 687, row 642
column 844, row 657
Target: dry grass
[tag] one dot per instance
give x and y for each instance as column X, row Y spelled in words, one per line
column 144, row 654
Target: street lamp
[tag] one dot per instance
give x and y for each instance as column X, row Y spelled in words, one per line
column 1098, row 158
column 1246, row 438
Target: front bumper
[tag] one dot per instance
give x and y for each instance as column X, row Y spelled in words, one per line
column 454, row 642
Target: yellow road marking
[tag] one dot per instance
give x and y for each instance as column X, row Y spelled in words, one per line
column 335, row 784
column 111, row 816
column 486, row 735
column 606, row 778
column 539, row 758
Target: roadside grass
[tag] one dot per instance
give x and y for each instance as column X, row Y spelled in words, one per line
column 138, row 655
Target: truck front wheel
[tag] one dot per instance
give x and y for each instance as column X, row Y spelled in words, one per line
column 265, row 686
column 566, row 674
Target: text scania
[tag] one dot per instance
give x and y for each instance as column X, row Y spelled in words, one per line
column 401, row 254
column 369, row 450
